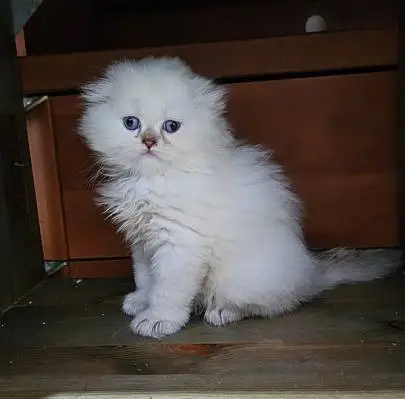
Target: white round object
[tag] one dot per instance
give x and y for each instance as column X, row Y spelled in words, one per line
column 315, row 23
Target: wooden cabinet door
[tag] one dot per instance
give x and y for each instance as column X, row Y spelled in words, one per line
column 335, row 137
column 89, row 235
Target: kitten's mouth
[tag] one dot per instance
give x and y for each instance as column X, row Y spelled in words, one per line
column 150, row 153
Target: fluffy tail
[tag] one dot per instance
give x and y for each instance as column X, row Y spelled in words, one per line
column 339, row 266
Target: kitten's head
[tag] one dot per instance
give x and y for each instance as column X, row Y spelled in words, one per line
column 151, row 115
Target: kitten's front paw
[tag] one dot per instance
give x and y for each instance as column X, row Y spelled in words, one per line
column 222, row 316
column 151, row 324
column 134, row 303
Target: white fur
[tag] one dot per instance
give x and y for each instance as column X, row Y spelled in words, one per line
column 210, row 220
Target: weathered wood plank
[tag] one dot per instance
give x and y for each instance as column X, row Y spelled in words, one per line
column 104, row 324
column 46, row 179
column 240, row 358
column 348, row 343
column 20, row 244
column 321, row 385
column 64, row 291
column 302, row 53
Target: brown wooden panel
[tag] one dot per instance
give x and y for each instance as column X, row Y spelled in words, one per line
column 46, row 180
column 335, row 137
column 77, row 175
column 354, row 210
column 300, row 53
column 89, row 235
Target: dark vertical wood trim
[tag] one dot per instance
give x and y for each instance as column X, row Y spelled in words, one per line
column 21, row 264
column 401, row 126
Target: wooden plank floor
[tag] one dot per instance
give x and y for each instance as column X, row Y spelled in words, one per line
column 68, row 339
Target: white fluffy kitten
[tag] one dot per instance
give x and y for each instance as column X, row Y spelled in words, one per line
column 209, row 220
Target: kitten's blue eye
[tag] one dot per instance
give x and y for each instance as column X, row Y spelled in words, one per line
column 131, row 122
column 171, row 126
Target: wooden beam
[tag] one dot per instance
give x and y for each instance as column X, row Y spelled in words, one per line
column 401, row 127
column 245, row 58
column 20, row 247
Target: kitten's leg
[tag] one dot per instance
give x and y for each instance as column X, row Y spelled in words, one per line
column 138, row 300
column 178, row 274
column 266, row 279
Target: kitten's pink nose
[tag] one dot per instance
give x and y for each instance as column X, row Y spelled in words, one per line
column 149, row 142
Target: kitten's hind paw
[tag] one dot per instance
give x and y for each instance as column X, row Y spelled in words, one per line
column 222, row 316
column 134, row 303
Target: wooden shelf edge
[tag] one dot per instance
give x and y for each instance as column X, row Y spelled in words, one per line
column 100, row 268
column 243, row 58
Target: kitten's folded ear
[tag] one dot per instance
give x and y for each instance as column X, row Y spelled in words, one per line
column 217, row 97
column 96, row 92
column 99, row 90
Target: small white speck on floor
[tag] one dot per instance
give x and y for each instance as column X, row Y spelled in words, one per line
column 394, row 344
column 361, row 341
column 2, row 325
column 102, row 314
column 30, row 303
column 78, row 281
column 44, row 323
column 10, row 362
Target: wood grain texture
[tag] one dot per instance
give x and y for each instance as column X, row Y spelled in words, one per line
column 347, row 323
column 302, row 53
column 335, row 137
column 99, row 321
column 69, row 339
column 21, row 264
column 274, row 386
column 89, row 234
column 174, row 359
column 45, row 167
column 68, row 292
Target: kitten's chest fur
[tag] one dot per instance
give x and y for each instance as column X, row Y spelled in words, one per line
column 133, row 204
column 154, row 211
